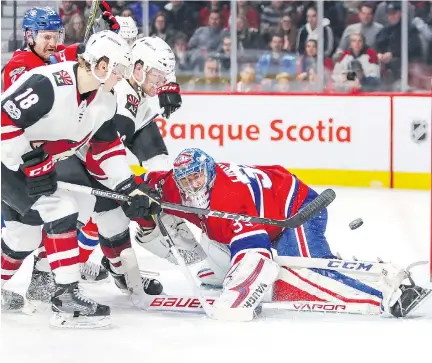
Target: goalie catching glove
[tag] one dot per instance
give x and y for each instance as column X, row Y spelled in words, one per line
column 145, row 201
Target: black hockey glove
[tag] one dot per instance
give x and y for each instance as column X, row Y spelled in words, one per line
column 39, row 169
column 109, row 17
column 140, row 206
column 169, row 98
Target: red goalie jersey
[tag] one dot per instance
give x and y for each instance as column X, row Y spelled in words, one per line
column 264, row 191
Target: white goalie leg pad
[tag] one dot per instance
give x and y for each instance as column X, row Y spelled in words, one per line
column 186, row 243
column 370, row 286
column 245, row 285
column 217, row 264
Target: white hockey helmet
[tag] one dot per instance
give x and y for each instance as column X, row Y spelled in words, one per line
column 155, row 53
column 111, row 45
column 128, row 29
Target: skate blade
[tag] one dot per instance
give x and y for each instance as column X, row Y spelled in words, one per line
column 149, row 273
column 423, row 298
column 34, row 306
column 93, row 282
column 67, row 321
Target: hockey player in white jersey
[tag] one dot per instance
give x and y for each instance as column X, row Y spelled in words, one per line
column 47, row 115
column 153, row 74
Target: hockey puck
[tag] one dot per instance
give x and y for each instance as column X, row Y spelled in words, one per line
column 356, row 223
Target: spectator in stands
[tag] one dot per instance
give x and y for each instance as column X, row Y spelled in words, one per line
column 206, row 39
column 184, row 63
column 312, row 80
column 388, row 43
column 224, row 55
column 366, row 26
column 283, row 82
column 307, row 60
column 127, row 12
column 66, row 10
column 275, row 61
column 75, row 29
column 336, row 13
column 214, row 5
column 289, row 32
column 180, row 17
column 137, row 9
column 310, row 31
column 247, row 80
column 358, row 67
column 244, row 9
column 212, row 81
column 270, row 18
column 381, row 15
column 159, row 29
column 247, row 38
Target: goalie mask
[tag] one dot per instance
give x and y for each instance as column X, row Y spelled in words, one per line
column 195, row 173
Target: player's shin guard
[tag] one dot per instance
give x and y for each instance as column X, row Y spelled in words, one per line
column 61, row 245
column 251, row 275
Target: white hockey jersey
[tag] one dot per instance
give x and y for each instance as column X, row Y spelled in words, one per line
column 134, row 108
column 44, row 109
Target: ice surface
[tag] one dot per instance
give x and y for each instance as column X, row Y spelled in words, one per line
column 396, row 227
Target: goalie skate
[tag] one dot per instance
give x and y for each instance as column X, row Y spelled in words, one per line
column 411, row 299
column 71, row 309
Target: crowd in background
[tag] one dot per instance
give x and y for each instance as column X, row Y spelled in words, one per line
column 278, row 41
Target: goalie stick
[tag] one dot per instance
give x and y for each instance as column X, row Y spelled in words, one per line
column 319, row 203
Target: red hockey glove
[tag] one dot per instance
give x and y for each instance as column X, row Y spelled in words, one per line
column 109, row 17
column 39, row 169
column 169, row 98
column 141, row 206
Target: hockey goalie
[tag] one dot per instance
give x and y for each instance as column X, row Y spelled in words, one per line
column 247, row 260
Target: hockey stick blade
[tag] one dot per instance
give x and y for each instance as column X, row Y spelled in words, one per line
column 322, row 201
column 314, row 207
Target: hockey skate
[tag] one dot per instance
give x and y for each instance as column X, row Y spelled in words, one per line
column 150, row 286
column 71, row 309
column 410, row 300
column 92, row 272
column 11, row 301
column 42, row 285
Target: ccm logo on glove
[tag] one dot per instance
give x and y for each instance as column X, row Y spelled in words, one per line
column 44, row 167
column 172, row 87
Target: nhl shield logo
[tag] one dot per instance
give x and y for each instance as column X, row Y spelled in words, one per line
column 419, row 130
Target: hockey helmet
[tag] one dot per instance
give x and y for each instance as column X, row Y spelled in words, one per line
column 128, row 29
column 153, row 53
column 42, row 19
column 111, row 45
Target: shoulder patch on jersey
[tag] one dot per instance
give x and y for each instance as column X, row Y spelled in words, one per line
column 132, row 103
column 17, row 71
column 62, row 78
column 13, row 75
